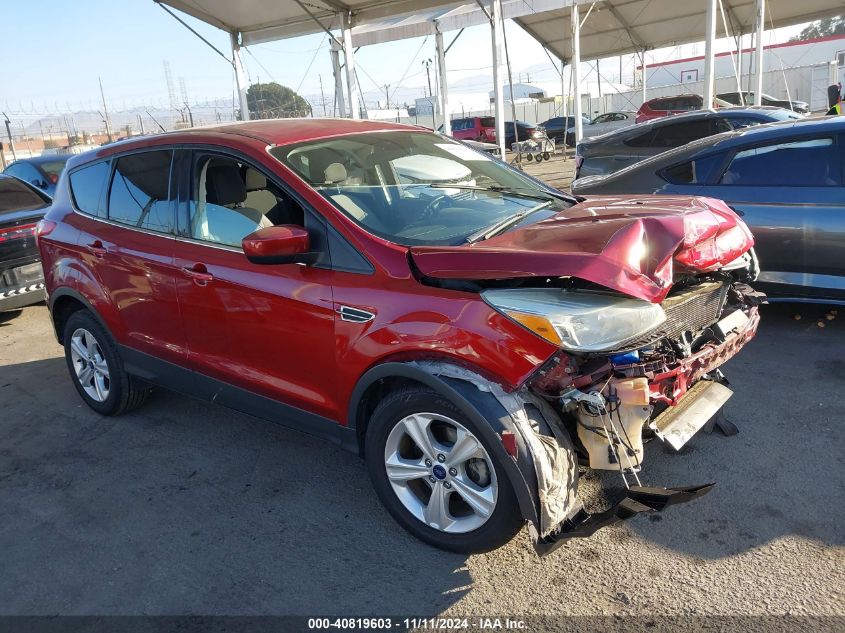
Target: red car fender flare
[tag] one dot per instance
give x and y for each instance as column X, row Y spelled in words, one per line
column 487, row 413
column 64, row 291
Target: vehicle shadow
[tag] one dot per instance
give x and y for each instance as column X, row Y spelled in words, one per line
column 186, row 507
column 9, row 315
column 783, row 473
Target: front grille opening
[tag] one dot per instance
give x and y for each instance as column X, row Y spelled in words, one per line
column 690, row 310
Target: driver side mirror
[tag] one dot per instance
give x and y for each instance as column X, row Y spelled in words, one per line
column 284, row 244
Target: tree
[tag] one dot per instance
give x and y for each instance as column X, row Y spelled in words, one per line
column 821, row 28
column 272, row 100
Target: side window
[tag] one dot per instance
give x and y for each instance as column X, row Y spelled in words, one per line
column 810, row 163
column 140, row 194
column 720, row 125
column 231, row 199
column 740, row 122
column 641, row 140
column 88, row 186
column 677, row 134
column 693, row 172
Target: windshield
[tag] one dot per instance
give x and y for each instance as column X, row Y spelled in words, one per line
column 53, row 168
column 417, row 188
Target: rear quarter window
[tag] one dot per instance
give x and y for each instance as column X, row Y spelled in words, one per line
column 693, row 172
column 813, row 162
column 88, row 186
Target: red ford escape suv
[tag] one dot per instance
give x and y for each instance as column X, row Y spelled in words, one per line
column 474, row 340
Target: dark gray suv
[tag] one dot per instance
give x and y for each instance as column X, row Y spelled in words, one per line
column 611, row 152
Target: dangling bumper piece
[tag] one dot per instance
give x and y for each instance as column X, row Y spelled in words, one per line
column 638, row 500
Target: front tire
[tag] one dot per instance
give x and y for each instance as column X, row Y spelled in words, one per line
column 96, row 368
column 436, row 476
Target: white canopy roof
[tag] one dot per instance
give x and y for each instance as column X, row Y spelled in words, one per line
column 615, row 27
column 268, row 20
column 612, row 28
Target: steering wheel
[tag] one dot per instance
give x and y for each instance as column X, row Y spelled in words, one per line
column 433, row 208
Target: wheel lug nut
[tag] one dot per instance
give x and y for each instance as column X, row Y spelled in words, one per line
column 453, row 472
column 432, row 479
column 441, row 458
column 428, row 463
column 447, row 484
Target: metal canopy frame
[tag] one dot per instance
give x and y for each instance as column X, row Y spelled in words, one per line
column 606, row 28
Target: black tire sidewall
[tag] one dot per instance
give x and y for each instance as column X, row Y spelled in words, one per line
column 506, row 519
column 117, row 376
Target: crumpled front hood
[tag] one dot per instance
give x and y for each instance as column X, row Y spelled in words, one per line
column 632, row 244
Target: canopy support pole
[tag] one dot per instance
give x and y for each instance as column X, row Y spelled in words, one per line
column 444, row 87
column 349, row 58
column 575, row 70
column 761, row 24
column 498, row 98
column 340, row 101
column 709, row 53
column 240, row 79
column 645, row 76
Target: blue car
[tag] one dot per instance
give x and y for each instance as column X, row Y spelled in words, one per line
column 42, row 171
column 784, row 179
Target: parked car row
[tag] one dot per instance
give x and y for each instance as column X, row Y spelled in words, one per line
column 785, row 179
column 611, row 152
column 483, row 129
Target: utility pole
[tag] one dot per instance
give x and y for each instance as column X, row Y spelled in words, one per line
column 322, row 95
column 105, row 111
column 427, row 64
column 24, row 137
column 9, row 133
column 387, row 96
column 190, row 114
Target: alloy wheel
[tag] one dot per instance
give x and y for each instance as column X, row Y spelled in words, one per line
column 90, row 365
column 441, row 472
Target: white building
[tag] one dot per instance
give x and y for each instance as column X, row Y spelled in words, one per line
column 520, row 92
column 780, row 62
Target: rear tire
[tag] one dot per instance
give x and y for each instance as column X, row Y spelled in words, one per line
column 96, row 368
column 477, row 512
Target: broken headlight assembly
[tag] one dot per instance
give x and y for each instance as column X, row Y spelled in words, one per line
column 578, row 321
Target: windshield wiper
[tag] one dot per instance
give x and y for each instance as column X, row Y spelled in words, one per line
column 503, row 225
column 524, row 192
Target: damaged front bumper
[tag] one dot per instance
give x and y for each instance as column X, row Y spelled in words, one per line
column 613, row 404
column 639, row 499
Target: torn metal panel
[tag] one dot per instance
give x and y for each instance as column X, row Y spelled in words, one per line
column 554, row 459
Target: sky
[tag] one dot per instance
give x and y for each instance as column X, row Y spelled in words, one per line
column 57, row 50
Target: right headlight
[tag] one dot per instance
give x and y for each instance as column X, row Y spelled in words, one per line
column 577, row 321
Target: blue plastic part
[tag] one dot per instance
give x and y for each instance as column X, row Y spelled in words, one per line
column 625, row 359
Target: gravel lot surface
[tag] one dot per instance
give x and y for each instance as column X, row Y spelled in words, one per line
column 186, row 508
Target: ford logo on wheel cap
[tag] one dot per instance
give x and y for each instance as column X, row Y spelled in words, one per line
column 439, row 472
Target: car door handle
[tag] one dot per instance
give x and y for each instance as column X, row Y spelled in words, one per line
column 199, row 273
column 96, row 247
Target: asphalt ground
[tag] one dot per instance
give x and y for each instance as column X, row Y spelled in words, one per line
column 183, row 507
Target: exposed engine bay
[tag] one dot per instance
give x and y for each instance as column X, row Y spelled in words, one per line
column 612, row 402
column 665, row 384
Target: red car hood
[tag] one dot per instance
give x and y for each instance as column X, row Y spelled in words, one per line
column 633, row 244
